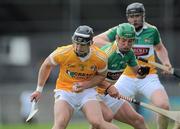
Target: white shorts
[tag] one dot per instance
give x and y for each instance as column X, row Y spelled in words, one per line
column 130, row 86
column 112, row 103
column 76, row 100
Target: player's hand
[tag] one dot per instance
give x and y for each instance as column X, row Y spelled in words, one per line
column 78, row 87
column 112, row 91
column 36, row 95
column 168, row 71
column 142, row 72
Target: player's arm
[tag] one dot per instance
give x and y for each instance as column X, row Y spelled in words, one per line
column 101, row 39
column 162, row 54
column 160, row 50
column 43, row 75
column 105, row 37
column 45, row 71
column 101, row 72
column 94, row 81
column 109, row 89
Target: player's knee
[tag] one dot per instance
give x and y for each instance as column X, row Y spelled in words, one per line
column 96, row 123
column 164, row 105
column 60, row 124
column 139, row 121
column 108, row 117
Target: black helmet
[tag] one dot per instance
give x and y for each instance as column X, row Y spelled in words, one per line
column 135, row 8
column 83, row 35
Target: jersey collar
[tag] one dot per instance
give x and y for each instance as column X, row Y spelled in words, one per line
column 143, row 28
column 117, row 50
column 87, row 56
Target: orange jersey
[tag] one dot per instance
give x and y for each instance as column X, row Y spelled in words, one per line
column 77, row 69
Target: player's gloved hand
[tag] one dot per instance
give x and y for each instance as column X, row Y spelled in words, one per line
column 112, row 91
column 36, row 95
column 143, row 71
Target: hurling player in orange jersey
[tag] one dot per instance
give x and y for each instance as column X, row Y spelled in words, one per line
column 82, row 67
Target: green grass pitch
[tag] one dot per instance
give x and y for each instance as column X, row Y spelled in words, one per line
column 72, row 125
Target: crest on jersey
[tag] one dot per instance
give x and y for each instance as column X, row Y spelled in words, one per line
column 81, row 67
column 147, row 40
column 93, row 68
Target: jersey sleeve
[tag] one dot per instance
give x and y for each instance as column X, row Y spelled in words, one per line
column 106, row 48
column 111, row 34
column 157, row 37
column 102, row 62
column 132, row 61
column 57, row 56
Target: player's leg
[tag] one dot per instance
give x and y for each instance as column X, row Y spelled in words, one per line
column 160, row 99
column 153, row 89
column 176, row 125
column 128, row 115
column 123, row 112
column 62, row 114
column 128, row 87
column 63, row 109
column 107, row 113
column 93, row 113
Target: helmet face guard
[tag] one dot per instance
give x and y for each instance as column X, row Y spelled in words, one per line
column 83, row 35
column 135, row 8
column 82, row 39
column 135, row 14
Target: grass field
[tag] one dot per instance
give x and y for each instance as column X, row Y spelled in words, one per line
column 72, row 125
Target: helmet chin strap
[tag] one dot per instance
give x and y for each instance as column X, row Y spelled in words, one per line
column 138, row 28
column 123, row 52
column 81, row 55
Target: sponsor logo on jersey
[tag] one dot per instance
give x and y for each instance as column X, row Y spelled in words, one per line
column 141, row 51
column 78, row 75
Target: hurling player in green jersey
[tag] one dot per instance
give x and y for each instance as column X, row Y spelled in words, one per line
column 147, row 41
column 120, row 54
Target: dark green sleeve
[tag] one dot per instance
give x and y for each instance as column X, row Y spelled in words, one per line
column 112, row 34
column 157, row 37
column 132, row 59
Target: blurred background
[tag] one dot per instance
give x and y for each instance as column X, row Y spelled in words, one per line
column 31, row 29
